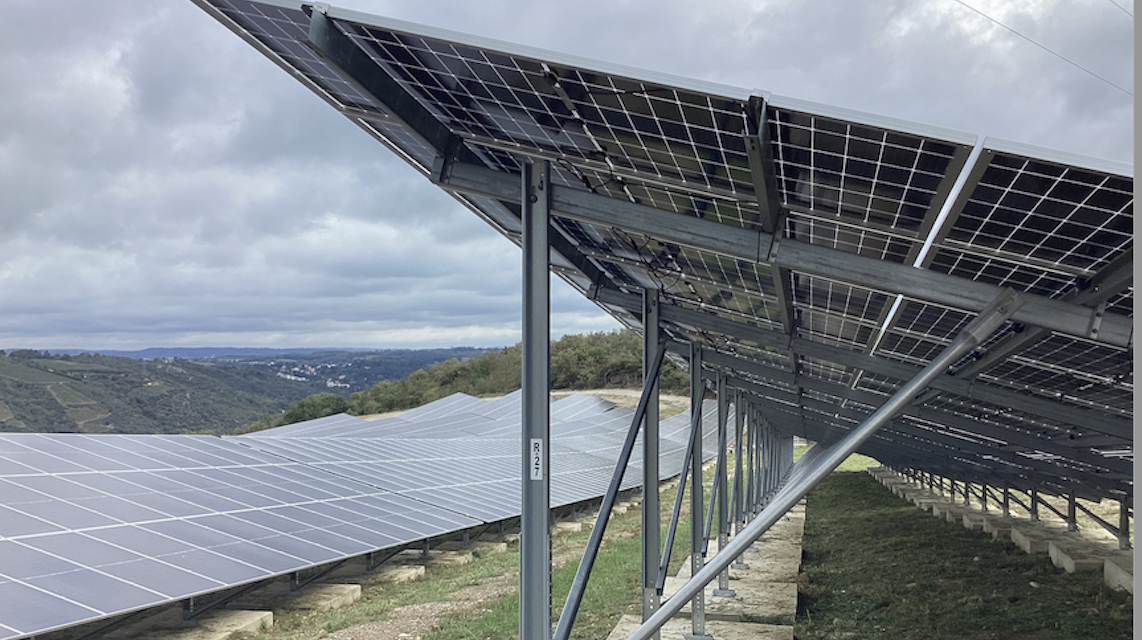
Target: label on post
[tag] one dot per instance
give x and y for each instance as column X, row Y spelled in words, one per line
column 537, row 458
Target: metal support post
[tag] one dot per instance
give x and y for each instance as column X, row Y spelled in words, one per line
column 583, row 573
column 1072, row 521
column 1124, row 523
column 739, row 487
column 535, row 518
column 751, row 491
column 967, row 493
column 1006, row 500
column 697, row 559
column 1034, row 505
column 677, row 512
column 787, row 448
column 723, row 590
column 651, row 509
column 983, row 496
column 770, row 454
column 990, row 319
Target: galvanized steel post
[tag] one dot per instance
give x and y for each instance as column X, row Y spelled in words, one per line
column 723, row 590
column 697, row 530
column 739, row 486
column 651, row 510
column 535, row 525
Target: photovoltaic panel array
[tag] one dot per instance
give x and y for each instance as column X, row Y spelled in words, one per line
column 91, row 526
column 469, row 464
column 820, row 256
column 94, row 526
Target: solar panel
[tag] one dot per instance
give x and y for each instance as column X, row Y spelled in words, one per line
column 804, row 245
column 94, row 526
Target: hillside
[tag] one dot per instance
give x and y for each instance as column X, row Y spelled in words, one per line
column 599, row 360
column 92, row 393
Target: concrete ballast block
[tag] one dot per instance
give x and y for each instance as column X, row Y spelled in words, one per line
column 1118, row 572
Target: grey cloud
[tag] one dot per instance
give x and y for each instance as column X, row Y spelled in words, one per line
column 163, row 183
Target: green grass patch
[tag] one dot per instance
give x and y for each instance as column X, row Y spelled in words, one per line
column 69, row 397
column 855, row 462
column 85, row 414
column 879, row 567
column 21, row 373
column 69, row 365
column 612, row 591
column 6, row 412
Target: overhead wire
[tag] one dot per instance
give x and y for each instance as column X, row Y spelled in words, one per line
column 1045, row 48
column 1120, row 8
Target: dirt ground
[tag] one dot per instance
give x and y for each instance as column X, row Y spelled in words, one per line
column 413, row 621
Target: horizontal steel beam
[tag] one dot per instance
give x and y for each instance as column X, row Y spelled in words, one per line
column 1022, row 440
column 976, row 449
column 1113, row 279
column 759, row 246
column 1118, row 427
column 931, row 455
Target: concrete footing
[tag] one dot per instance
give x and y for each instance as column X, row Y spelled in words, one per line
column 1118, row 571
column 720, row 629
column 1072, row 557
column 212, row 625
column 764, row 600
column 314, row 597
column 1090, row 549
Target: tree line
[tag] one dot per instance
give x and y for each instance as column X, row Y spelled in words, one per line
column 611, row 359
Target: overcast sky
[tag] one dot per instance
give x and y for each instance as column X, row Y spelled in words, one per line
column 163, row 184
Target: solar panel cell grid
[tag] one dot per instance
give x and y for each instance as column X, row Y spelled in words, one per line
column 1064, row 216
column 993, row 270
column 855, row 171
column 860, row 240
column 283, row 31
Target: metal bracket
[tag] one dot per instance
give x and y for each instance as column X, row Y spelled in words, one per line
column 1096, row 321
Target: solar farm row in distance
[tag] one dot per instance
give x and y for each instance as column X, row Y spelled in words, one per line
column 92, row 526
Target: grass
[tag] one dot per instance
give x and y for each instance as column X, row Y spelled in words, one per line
column 69, row 397
column 880, row 568
column 20, row 373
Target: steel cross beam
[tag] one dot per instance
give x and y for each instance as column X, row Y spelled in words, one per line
column 759, row 246
column 919, row 453
column 359, row 69
column 1113, row 279
column 1117, row 469
column 927, row 439
column 1120, row 428
column 1020, row 439
column 792, row 493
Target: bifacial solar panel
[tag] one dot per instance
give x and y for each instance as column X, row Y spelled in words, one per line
column 871, row 242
